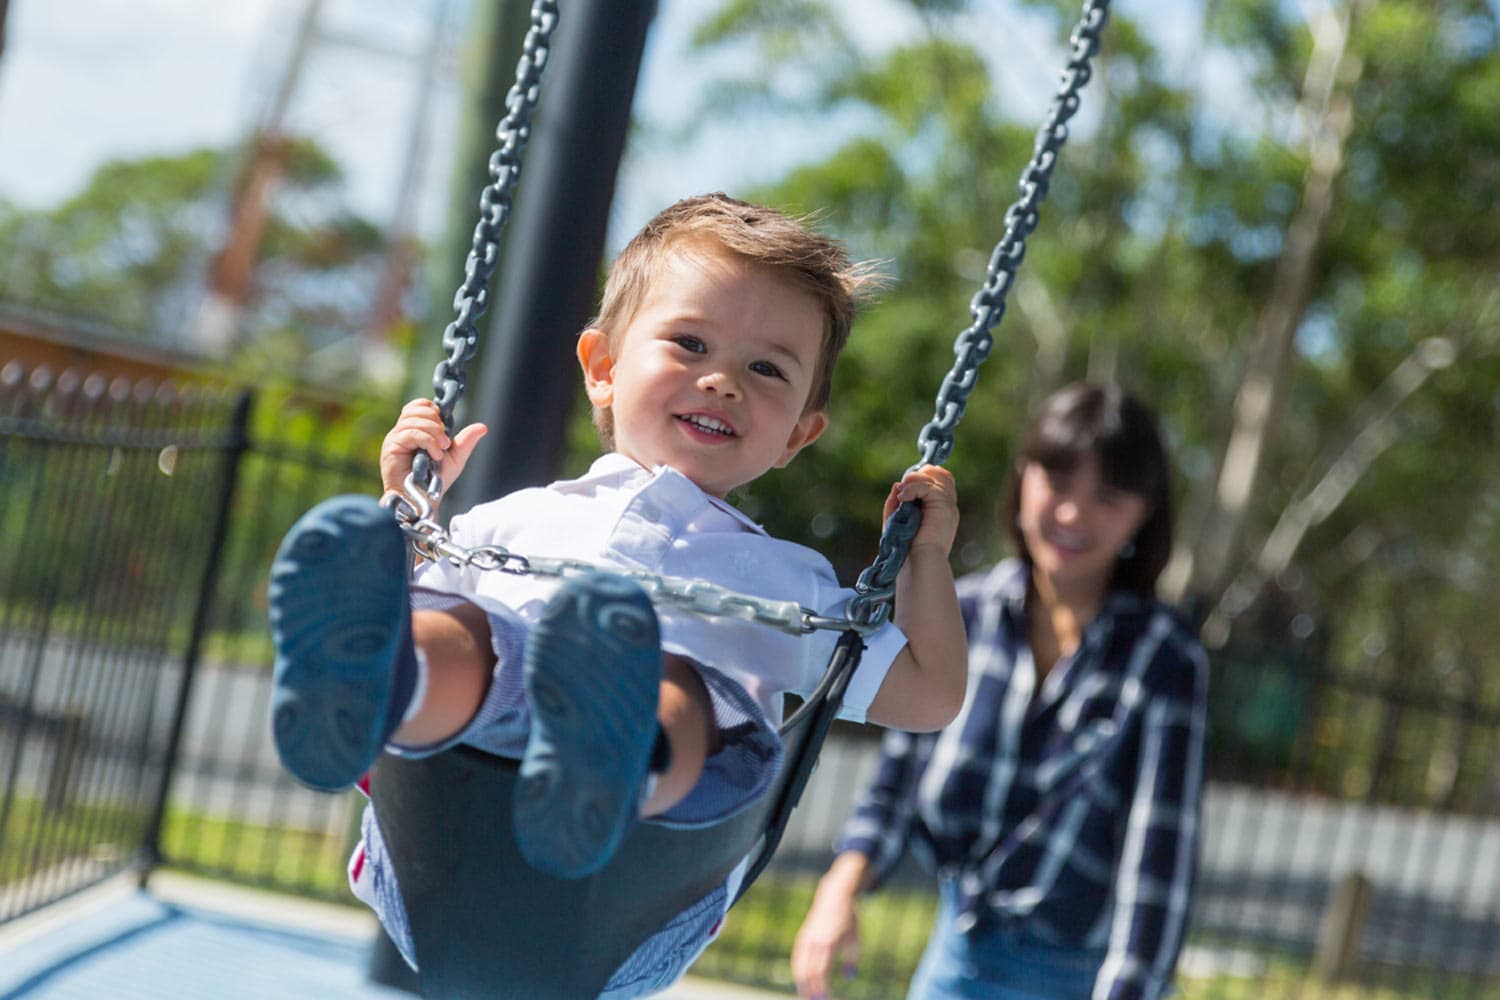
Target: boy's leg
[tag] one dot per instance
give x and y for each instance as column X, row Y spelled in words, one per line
column 455, row 642
column 686, row 715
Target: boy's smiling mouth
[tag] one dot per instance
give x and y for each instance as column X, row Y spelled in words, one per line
column 707, row 425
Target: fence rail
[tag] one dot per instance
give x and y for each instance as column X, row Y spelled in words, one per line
column 1351, row 821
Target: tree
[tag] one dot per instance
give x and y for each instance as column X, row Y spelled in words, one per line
column 131, row 251
column 1300, row 275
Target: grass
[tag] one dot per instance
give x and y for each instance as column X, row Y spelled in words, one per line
column 35, row 839
column 305, row 862
column 757, row 937
column 1291, row 978
column 753, row 948
column 757, row 940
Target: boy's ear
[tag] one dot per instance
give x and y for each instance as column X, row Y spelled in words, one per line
column 807, row 430
column 598, row 366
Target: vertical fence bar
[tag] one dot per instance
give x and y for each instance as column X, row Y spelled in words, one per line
column 239, row 443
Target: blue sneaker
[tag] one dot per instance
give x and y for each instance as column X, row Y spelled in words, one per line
column 341, row 622
column 592, row 675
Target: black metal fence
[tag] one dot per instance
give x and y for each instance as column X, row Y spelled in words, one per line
column 137, row 521
column 113, row 495
column 1352, row 833
column 1351, row 848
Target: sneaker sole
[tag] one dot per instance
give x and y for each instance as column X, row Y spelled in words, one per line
column 592, row 676
column 339, row 615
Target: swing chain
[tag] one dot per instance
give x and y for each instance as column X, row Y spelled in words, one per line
column 876, row 585
column 461, row 338
column 413, row 512
column 875, row 588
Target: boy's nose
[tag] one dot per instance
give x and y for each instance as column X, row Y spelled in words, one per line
column 720, row 383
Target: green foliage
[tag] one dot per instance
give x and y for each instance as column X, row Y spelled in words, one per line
column 1157, row 252
column 132, row 250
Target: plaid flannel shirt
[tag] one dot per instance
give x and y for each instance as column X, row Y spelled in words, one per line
column 1075, row 812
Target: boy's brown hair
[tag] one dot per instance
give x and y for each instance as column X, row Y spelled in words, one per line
column 754, row 233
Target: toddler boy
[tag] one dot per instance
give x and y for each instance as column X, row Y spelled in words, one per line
column 709, row 364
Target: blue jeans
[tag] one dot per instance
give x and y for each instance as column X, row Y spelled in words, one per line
column 998, row 960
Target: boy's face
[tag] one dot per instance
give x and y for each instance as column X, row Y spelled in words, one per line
column 712, row 374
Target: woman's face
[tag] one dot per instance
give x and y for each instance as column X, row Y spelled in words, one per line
column 1075, row 524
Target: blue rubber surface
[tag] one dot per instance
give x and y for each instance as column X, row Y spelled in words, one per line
column 146, row 949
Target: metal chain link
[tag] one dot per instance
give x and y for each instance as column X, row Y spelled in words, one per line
column 875, row 588
column 461, row 338
column 699, row 597
column 877, row 584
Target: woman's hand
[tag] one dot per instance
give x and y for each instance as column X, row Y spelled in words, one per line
column 829, row 936
column 419, row 428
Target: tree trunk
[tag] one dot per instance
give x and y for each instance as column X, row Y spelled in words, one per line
column 1200, row 572
column 1342, row 467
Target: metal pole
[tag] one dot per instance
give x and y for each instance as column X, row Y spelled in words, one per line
column 549, row 271
column 234, row 453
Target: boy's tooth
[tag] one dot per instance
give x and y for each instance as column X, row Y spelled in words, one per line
column 709, row 423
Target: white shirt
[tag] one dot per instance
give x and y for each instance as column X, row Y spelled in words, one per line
column 623, row 516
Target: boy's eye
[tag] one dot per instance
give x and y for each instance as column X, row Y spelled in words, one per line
column 767, row 368
column 688, row 342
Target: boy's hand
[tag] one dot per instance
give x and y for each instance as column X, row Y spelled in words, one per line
column 932, row 486
column 420, row 428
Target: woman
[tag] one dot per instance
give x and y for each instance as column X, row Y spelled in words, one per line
column 1060, row 809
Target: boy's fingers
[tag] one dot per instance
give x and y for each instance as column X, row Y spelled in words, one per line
column 411, row 440
column 926, row 481
column 913, row 489
column 421, row 421
column 464, row 442
column 416, row 436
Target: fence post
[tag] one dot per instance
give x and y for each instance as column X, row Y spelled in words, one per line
column 1343, row 924
column 234, row 453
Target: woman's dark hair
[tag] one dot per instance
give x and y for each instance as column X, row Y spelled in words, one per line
column 1085, row 419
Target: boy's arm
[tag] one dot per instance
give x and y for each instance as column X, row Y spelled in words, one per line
column 924, row 688
column 420, row 428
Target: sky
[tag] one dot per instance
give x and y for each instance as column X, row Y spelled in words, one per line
column 88, row 80
column 84, row 81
